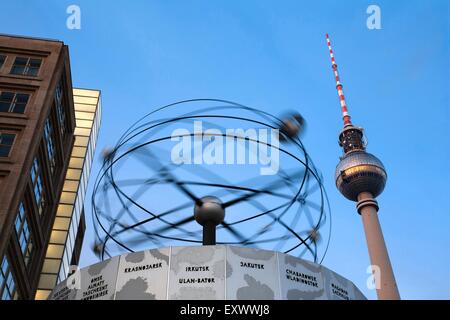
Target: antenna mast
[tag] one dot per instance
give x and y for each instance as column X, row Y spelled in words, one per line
column 345, row 114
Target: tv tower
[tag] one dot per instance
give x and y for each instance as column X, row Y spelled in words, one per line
column 361, row 177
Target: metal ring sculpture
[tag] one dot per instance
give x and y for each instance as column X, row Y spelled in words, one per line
column 142, row 199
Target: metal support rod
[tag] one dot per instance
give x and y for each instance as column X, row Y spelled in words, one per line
column 384, row 276
column 209, row 233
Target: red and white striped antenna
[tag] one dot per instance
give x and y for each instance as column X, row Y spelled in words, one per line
column 345, row 114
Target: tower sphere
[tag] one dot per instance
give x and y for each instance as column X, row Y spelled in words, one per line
column 210, row 210
column 360, row 171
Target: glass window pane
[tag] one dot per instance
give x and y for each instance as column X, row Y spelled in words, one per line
column 18, row 70
column 51, row 266
column 86, row 92
column 22, row 98
column 19, row 108
column 20, row 61
column 67, row 197
column 54, row 251
column 84, row 107
column 84, row 115
column 4, row 151
column 81, row 141
column 62, row 271
column 64, row 210
column 73, row 174
column 82, row 132
column 4, row 106
column 83, row 123
column 79, row 152
column 76, row 163
column 61, row 223
column 18, row 225
column 32, row 72
column 20, row 102
column 5, row 265
column 70, row 186
column 66, row 266
column 6, row 97
column 47, row 281
column 35, row 63
column 58, row 237
column 85, row 100
column 42, row 294
column 7, row 139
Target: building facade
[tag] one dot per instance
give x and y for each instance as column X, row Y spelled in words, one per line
column 37, row 126
column 68, row 228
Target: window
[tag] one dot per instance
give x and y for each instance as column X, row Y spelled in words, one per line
column 24, row 234
column 13, row 102
column 60, row 108
column 7, row 284
column 6, row 142
column 36, row 181
column 50, row 144
column 26, row 66
column 2, row 59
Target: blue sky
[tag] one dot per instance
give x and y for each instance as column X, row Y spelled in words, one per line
column 273, row 55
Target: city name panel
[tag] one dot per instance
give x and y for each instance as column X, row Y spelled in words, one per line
column 219, row 272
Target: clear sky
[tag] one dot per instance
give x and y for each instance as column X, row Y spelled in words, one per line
column 273, row 54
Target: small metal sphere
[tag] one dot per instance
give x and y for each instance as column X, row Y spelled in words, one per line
column 314, row 235
column 107, row 153
column 293, row 125
column 97, row 248
column 360, row 171
column 209, row 211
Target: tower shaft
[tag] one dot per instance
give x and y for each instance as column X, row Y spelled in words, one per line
column 361, row 177
column 386, row 285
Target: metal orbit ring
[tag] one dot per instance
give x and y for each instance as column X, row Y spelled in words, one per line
column 139, row 200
